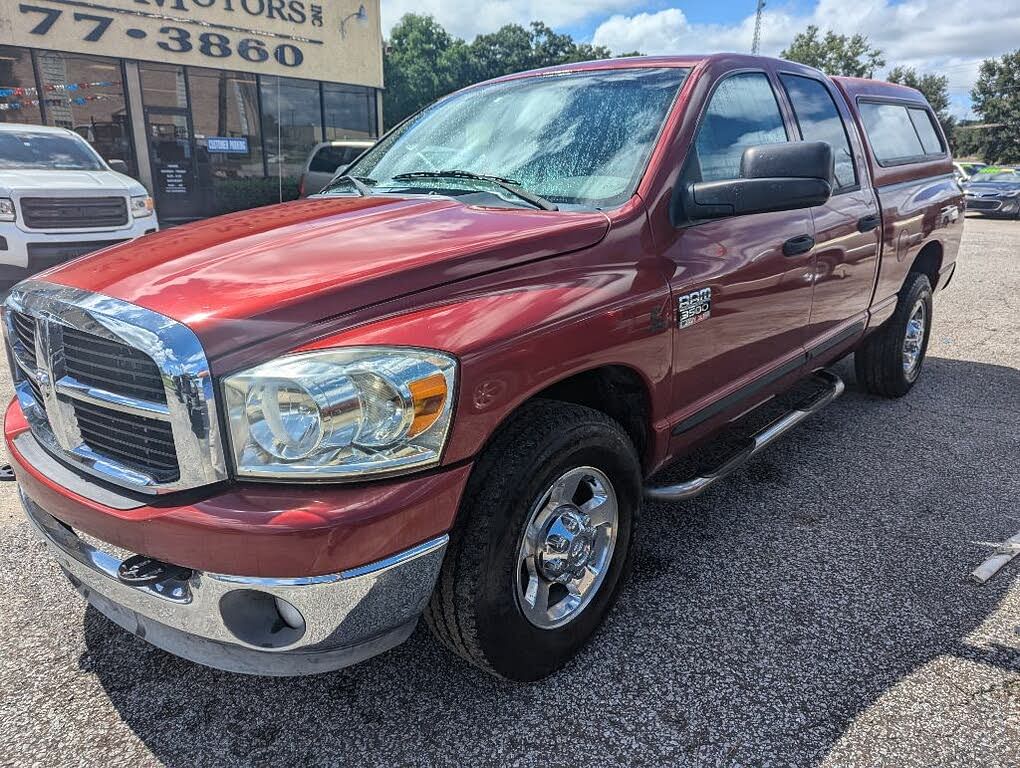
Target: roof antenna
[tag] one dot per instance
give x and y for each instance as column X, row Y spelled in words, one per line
column 757, row 28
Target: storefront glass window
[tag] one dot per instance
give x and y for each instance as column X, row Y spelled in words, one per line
column 228, row 139
column 19, row 99
column 86, row 94
column 225, row 110
column 163, row 86
column 291, row 125
column 180, row 180
column 349, row 111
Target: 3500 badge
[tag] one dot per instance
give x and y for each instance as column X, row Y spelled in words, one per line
column 694, row 307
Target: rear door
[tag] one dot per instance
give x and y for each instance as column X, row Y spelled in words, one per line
column 742, row 291
column 847, row 228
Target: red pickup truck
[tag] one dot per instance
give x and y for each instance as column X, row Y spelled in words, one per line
column 269, row 442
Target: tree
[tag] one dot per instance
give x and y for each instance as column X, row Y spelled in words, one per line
column 514, row 48
column 935, row 89
column 996, row 99
column 423, row 62
column 970, row 139
column 835, row 54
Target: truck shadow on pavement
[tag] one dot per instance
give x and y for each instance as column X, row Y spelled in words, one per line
column 761, row 619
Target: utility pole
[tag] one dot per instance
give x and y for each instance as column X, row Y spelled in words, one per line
column 757, row 28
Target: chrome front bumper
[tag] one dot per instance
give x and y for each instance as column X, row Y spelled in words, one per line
column 238, row 623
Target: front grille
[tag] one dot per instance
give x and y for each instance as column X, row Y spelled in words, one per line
column 112, row 366
column 136, row 442
column 45, row 255
column 73, row 212
column 93, row 373
column 983, row 205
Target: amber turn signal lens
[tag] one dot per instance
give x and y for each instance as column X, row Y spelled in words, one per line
column 428, row 396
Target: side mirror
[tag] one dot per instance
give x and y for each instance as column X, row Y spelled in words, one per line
column 117, row 165
column 773, row 177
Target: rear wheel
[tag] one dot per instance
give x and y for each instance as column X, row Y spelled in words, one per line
column 542, row 543
column 890, row 360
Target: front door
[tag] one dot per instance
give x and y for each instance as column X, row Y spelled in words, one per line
column 847, row 227
column 752, row 274
column 175, row 167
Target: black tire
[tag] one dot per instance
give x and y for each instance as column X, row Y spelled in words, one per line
column 474, row 609
column 879, row 362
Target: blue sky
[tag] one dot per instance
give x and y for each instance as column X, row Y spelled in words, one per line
column 700, row 12
column 945, row 36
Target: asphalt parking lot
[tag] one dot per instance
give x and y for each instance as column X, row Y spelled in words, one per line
column 814, row 609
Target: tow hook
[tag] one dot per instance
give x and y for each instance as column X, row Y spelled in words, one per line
column 142, row 571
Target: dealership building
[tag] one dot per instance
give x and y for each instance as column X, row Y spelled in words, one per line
column 213, row 105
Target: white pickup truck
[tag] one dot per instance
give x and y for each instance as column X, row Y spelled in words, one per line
column 59, row 199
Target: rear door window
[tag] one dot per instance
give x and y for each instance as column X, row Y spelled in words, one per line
column 897, row 135
column 925, row 128
column 743, row 113
column 819, row 120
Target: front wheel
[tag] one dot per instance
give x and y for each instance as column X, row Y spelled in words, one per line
column 542, row 543
column 890, row 360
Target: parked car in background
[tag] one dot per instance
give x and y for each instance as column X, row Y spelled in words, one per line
column 59, row 199
column 994, row 194
column 444, row 390
column 964, row 169
column 325, row 160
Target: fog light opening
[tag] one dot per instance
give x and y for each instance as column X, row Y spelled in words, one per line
column 291, row 616
column 261, row 619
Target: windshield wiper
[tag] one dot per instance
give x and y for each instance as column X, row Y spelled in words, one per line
column 509, row 185
column 358, row 182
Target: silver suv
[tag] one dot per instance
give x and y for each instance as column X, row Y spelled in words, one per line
column 326, row 159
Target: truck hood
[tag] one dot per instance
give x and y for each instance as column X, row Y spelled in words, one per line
column 245, row 277
column 34, row 180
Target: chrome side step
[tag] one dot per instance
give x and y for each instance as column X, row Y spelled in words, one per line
column 756, row 443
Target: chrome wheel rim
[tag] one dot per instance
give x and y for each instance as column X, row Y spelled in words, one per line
column 567, row 547
column 913, row 342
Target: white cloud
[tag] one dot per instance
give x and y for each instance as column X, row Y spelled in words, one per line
column 945, row 36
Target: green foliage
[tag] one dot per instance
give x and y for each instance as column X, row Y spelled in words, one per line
column 423, row 61
column 835, row 54
column 970, row 140
column 996, row 98
column 240, row 194
column 935, row 89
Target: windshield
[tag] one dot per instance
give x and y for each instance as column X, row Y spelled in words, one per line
column 1010, row 178
column 25, row 150
column 576, row 139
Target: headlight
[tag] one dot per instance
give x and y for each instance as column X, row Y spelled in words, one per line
column 7, row 209
column 1011, row 193
column 340, row 414
column 141, row 206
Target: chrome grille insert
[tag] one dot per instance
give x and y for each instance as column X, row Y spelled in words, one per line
column 136, row 441
column 98, row 362
column 24, row 329
column 118, row 390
